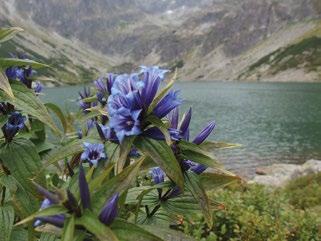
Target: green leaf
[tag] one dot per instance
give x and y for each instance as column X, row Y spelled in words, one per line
column 118, row 183
column 154, row 120
column 167, row 234
column 52, row 210
column 126, row 231
column 8, row 33
column 191, row 151
column 193, row 183
column 6, row 222
column 60, row 153
column 54, row 108
column 163, row 156
column 212, row 145
column 23, row 161
column 26, row 100
column 8, row 62
column 48, row 237
column 69, row 229
column 23, row 201
column 19, row 234
column 125, row 148
column 161, row 94
column 211, row 181
column 5, row 85
column 93, row 225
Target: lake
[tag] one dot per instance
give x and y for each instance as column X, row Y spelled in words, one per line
column 274, row 122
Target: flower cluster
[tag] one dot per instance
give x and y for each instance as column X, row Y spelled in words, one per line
column 24, row 74
column 130, row 96
column 16, row 122
column 107, row 214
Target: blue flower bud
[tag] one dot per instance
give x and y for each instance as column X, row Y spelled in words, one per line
column 15, row 123
column 201, row 137
column 110, row 210
column 157, row 174
column 83, row 188
column 167, row 104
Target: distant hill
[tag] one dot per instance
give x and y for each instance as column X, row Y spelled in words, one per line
column 246, row 40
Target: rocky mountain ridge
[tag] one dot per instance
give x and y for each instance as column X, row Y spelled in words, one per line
column 206, row 40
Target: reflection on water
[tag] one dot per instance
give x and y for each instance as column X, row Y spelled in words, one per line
column 275, row 122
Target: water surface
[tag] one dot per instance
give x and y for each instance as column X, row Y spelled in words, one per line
column 275, row 122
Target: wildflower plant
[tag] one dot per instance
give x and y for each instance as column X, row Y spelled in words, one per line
column 123, row 168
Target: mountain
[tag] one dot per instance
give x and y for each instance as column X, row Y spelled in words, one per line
column 206, row 39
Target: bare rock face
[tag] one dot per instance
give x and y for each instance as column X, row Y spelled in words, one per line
column 210, row 39
column 135, row 28
column 279, row 174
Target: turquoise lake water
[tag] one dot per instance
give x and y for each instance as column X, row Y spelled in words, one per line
column 274, row 122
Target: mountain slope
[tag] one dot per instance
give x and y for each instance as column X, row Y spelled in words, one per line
column 206, row 39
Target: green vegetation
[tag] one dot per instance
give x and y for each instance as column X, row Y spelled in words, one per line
column 254, row 213
column 306, row 54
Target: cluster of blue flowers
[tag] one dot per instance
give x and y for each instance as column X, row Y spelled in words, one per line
column 107, row 214
column 130, row 97
column 24, row 74
column 15, row 122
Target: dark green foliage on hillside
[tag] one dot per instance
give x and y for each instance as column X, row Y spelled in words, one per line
column 306, row 54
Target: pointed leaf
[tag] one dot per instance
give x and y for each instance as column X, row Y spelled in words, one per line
column 167, row 234
column 212, row 145
column 6, row 222
column 8, row 33
column 119, row 183
column 93, row 225
column 23, row 161
column 5, row 85
column 211, row 181
column 125, row 148
column 54, row 108
column 193, row 183
column 126, row 231
column 8, row 62
column 163, row 156
column 193, row 152
column 60, row 153
column 69, row 229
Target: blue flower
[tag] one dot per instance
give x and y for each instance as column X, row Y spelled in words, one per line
column 15, row 122
column 38, row 87
column 157, row 174
column 167, row 104
column 93, row 153
column 126, row 123
column 83, row 104
column 23, row 74
column 14, row 73
column 110, row 210
column 152, row 77
column 103, row 86
column 194, row 167
column 57, row 220
column 106, row 133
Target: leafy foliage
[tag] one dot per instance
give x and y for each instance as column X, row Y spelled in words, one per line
column 92, row 184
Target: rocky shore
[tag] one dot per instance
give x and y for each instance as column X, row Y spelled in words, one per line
column 278, row 175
